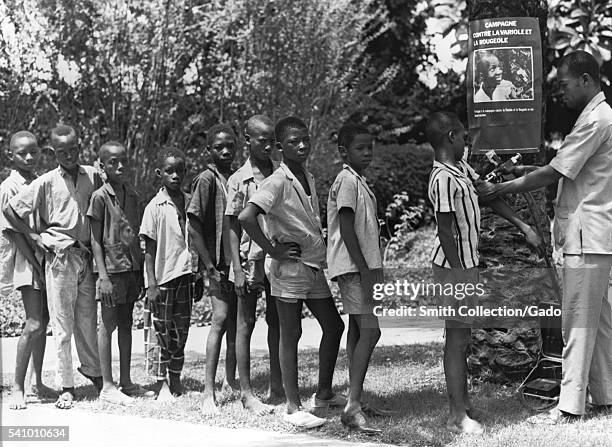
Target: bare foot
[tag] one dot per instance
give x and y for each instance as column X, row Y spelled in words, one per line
column 466, row 425
column 165, row 395
column 230, row 386
column 209, row 406
column 17, row 401
column 42, row 391
column 255, row 406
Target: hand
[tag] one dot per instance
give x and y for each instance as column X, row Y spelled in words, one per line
column 516, row 171
column 240, row 283
column 107, row 292
column 368, row 278
column 153, row 294
column 487, row 190
column 285, row 250
column 535, row 242
column 38, row 243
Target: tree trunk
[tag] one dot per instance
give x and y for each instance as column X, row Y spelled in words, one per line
column 514, row 277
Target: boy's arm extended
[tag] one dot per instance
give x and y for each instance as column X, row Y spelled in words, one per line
column 504, row 210
column 447, row 240
column 280, row 251
column 107, row 295
column 349, row 236
column 150, row 253
column 231, row 222
column 197, row 239
column 23, row 245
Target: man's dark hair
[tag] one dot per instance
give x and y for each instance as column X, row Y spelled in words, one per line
column 169, row 152
column 579, row 62
column 290, row 122
column 348, row 132
column 439, row 125
column 216, row 129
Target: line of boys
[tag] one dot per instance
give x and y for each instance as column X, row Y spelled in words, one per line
column 63, row 219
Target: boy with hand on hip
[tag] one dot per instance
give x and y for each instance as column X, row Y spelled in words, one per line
column 114, row 214
column 295, row 243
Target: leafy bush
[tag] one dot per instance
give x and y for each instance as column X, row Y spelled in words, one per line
column 410, row 218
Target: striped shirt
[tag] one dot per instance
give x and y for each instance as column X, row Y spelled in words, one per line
column 451, row 191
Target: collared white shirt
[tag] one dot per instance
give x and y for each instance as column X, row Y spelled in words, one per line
column 292, row 215
column 583, row 211
column 350, row 190
column 451, row 191
column 160, row 222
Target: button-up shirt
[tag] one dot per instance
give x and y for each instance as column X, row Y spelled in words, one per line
column 61, row 204
column 583, row 212
column 292, row 215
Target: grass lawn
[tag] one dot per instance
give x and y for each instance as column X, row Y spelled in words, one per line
column 407, row 379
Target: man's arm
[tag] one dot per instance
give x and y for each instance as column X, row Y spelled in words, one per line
column 504, row 210
column 447, row 240
column 248, row 220
column 543, row 176
column 197, row 239
column 150, row 253
column 349, row 236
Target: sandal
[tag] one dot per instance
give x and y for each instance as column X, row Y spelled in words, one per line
column 66, row 400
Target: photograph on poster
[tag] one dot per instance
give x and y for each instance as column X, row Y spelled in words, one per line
column 503, row 74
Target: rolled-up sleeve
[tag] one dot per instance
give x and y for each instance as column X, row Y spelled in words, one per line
column 148, row 227
column 577, row 148
column 268, row 194
column 200, row 195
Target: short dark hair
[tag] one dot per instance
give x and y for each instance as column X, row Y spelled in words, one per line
column 256, row 121
column 102, row 152
column 169, row 152
column 290, row 122
column 216, row 129
column 439, row 125
column 62, row 130
column 21, row 134
column 580, row 62
column 348, row 132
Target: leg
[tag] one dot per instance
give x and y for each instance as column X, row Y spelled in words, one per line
column 275, row 388
column 230, row 338
column 324, row 310
column 368, row 335
column 455, row 373
column 61, row 277
column 247, row 307
column 32, row 331
column 38, row 351
column 290, row 325
column 85, row 317
column 352, row 337
column 600, row 378
column 181, row 322
column 162, row 313
column 213, row 347
column 124, row 339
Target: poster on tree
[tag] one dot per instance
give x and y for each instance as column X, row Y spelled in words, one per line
column 504, row 85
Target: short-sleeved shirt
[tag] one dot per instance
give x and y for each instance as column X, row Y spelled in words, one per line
column 451, row 191
column 160, row 222
column 9, row 255
column 61, row 204
column 583, row 212
column 292, row 215
column 208, row 203
column 241, row 186
column 121, row 221
column 350, row 190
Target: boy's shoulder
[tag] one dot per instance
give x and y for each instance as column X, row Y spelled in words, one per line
column 207, row 174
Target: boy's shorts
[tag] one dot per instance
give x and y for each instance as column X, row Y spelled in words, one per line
column 353, row 301
column 127, row 286
column 23, row 275
column 461, row 304
column 224, row 289
column 291, row 281
column 255, row 272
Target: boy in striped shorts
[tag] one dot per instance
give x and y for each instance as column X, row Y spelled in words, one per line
column 455, row 253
